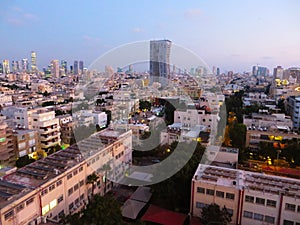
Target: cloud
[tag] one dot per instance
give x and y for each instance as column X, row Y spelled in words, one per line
column 18, row 17
column 15, row 21
column 192, row 13
column 137, row 30
column 90, row 38
column 267, row 57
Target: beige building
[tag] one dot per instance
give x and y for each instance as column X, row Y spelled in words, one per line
column 7, row 155
column 25, row 141
column 57, row 185
column 251, row 198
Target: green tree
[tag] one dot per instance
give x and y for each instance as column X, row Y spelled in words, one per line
column 144, row 105
column 213, row 214
column 101, row 210
column 92, row 179
column 23, row 161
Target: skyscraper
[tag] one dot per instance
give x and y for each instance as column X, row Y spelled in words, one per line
column 25, row 66
column 75, row 67
column 160, row 58
column 33, row 61
column 55, row 68
column 81, row 67
column 14, row 65
column 6, row 67
column 64, row 65
column 1, row 68
column 278, row 73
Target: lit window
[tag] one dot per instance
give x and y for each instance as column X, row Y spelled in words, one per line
column 45, row 209
column 53, row 203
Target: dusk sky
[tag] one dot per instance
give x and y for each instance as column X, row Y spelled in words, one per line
column 233, row 35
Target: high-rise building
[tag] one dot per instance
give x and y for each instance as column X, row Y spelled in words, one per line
column 218, row 71
column 14, row 65
column 278, row 73
column 81, row 66
column 75, row 67
column 6, row 67
column 25, row 66
column 55, row 68
column 1, row 68
column 160, row 58
column 33, row 61
column 64, row 65
column 71, row 69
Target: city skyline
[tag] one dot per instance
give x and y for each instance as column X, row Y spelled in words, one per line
column 234, row 36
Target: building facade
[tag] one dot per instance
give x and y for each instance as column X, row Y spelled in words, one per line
column 251, row 198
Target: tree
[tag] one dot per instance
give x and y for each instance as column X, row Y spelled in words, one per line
column 212, row 214
column 144, row 105
column 101, row 210
column 92, row 179
column 23, row 161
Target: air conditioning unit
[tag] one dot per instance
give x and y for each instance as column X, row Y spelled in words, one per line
column 39, row 220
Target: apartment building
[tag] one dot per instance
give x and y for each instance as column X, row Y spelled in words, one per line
column 7, row 155
column 25, row 141
column 293, row 105
column 57, row 185
column 67, row 126
column 251, row 198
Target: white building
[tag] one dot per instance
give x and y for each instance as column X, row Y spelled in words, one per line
column 293, row 105
column 251, row 198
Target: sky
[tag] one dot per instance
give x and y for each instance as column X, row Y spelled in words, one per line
column 233, row 35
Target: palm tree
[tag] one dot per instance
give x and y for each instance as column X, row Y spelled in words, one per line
column 105, row 168
column 92, row 179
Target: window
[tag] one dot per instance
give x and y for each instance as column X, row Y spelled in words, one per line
column 76, row 186
column 210, row 192
column 80, row 168
column 45, row 191
column 200, row 205
column 60, row 199
column 69, row 176
column 249, row 198
column 230, row 196
column 81, row 197
column 258, row 216
column 270, row 219
column 75, row 172
column 200, row 190
column 288, row 222
column 260, row 201
column 290, row 207
column 81, row 183
column 59, row 182
column 71, row 206
column 52, row 187
column 271, row 203
column 220, row 194
column 70, row 191
column 61, row 213
column 248, row 214
column 76, row 201
column 230, row 211
column 20, row 207
column 298, row 209
column 8, row 214
column 29, row 201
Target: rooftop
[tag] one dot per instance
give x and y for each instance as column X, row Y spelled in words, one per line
column 249, row 180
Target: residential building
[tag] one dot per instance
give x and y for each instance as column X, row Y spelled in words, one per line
column 57, row 185
column 251, row 198
column 293, row 105
column 25, row 141
column 7, row 155
column 33, row 62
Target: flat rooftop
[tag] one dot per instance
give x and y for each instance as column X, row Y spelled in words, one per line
column 34, row 175
column 249, row 180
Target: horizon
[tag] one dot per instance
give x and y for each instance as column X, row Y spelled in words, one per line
column 234, row 36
